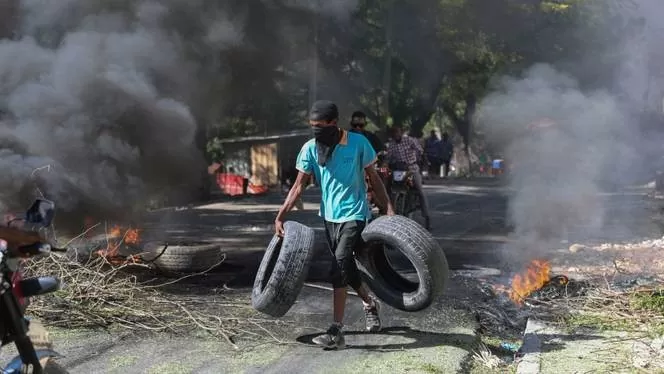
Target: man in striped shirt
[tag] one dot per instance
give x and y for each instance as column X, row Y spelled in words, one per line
column 407, row 151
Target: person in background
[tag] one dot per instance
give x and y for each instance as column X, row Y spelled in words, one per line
column 358, row 124
column 408, row 151
column 433, row 148
column 483, row 162
column 447, row 153
column 339, row 159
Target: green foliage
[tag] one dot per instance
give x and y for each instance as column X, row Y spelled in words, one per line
column 214, row 150
column 649, row 301
column 399, row 61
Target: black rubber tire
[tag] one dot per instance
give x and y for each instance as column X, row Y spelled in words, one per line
column 421, row 249
column 284, row 268
column 400, row 203
column 188, row 258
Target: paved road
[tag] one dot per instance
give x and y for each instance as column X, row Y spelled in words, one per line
column 468, row 220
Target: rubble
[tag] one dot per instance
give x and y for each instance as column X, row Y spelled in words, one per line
column 574, row 248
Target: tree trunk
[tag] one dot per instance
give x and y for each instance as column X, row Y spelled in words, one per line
column 387, row 72
column 313, row 67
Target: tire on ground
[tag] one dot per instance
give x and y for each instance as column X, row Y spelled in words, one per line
column 188, row 258
column 421, row 249
column 283, row 270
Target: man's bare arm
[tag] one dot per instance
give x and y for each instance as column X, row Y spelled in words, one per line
column 293, row 195
column 380, row 192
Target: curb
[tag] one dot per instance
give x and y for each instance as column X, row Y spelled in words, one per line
column 531, row 349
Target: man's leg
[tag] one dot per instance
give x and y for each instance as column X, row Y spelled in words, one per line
column 432, row 167
column 424, row 204
column 350, row 242
column 437, row 168
column 333, row 337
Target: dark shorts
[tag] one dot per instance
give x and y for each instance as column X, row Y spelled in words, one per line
column 344, row 239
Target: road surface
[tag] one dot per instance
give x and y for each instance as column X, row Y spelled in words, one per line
column 469, row 220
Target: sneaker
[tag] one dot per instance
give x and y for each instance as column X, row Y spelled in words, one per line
column 332, row 339
column 371, row 316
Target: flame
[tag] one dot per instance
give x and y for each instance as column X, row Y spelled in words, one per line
column 132, row 236
column 116, row 237
column 536, row 276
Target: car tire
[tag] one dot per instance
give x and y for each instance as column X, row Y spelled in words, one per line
column 419, row 247
column 283, row 270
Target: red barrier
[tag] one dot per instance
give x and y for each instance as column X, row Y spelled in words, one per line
column 231, row 184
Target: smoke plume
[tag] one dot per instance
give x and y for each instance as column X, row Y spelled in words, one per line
column 101, row 102
column 567, row 144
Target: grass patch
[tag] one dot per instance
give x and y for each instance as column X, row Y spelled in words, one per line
column 652, row 301
column 600, row 321
column 633, row 310
column 431, row 368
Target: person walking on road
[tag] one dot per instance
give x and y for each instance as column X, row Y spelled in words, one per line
column 406, row 150
column 339, row 160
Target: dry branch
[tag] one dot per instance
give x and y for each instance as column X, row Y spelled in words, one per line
column 96, row 294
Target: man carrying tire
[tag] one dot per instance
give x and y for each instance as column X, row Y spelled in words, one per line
column 338, row 159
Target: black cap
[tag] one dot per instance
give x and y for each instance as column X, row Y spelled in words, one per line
column 324, row 110
column 358, row 114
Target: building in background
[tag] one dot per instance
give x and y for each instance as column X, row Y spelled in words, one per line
column 262, row 159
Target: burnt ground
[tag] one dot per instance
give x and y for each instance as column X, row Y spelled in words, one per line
column 469, row 222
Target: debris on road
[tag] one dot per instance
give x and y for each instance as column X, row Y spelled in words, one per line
column 111, row 289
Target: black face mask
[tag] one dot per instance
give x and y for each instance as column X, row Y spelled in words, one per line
column 326, row 139
column 328, row 135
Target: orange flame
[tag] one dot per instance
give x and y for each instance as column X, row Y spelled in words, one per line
column 536, row 276
column 116, row 237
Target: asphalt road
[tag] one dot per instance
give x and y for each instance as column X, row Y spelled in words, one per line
column 468, row 219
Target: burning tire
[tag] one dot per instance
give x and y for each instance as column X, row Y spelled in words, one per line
column 283, row 270
column 189, row 258
column 401, row 234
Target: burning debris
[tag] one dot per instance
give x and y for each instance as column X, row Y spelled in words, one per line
column 115, row 239
column 536, row 276
column 536, row 284
column 506, row 308
column 117, row 247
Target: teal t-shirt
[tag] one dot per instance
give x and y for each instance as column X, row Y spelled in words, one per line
column 343, row 188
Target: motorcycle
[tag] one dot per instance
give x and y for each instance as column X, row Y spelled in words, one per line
column 20, row 239
column 404, row 196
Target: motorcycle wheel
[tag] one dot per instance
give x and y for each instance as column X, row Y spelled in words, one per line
column 414, row 209
column 400, row 203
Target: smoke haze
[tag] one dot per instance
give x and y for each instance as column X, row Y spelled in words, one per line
column 100, row 102
column 596, row 144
